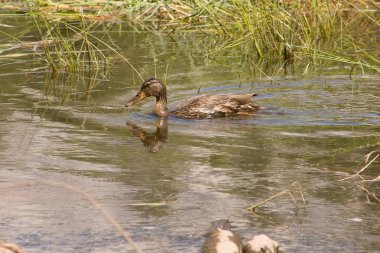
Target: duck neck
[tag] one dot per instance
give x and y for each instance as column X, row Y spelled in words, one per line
column 161, row 108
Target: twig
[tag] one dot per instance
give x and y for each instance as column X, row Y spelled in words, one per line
column 369, row 155
column 372, row 180
column 293, row 220
column 365, row 167
column 360, row 183
column 269, row 220
column 286, row 191
column 253, row 207
column 368, row 193
column 352, row 69
column 295, row 202
column 301, row 193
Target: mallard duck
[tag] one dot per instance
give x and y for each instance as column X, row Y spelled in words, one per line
column 220, row 239
column 201, row 106
column 261, row 244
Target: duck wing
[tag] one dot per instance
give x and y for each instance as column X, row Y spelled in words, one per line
column 208, row 105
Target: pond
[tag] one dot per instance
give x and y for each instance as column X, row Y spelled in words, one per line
column 165, row 181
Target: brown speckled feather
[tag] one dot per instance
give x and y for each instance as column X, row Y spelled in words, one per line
column 218, row 105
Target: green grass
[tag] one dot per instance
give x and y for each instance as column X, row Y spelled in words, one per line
column 278, row 31
column 66, row 47
column 294, row 30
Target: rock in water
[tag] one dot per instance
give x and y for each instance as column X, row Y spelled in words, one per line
column 220, row 239
column 261, row 244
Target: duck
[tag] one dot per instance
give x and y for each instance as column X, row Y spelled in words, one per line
column 198, row 107
column 221, row 239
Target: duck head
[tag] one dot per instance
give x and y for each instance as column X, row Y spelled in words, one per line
column 152, row 88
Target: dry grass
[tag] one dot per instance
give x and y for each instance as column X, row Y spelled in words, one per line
column 364, row 182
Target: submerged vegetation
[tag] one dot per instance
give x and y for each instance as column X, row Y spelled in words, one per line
column 277, row 31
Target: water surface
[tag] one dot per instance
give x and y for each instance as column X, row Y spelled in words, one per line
column 164, row 182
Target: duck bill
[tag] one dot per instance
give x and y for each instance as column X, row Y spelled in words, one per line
column 139, row 96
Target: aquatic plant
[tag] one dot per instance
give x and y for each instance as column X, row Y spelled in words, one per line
column 66, row 47
column 290, row 30
column 279, row 31
column 59, row 88
column 71, row 46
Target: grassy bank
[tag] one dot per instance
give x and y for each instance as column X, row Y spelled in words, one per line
column 280, row 31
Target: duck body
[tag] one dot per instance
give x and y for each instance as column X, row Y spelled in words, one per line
column 198, row 107
column 220, row 239
column 215, row 105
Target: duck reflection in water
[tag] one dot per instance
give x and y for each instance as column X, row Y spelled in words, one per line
column 153, row 141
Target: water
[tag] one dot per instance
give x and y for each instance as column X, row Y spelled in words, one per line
column 165, row 182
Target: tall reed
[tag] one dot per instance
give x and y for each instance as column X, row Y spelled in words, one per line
column 289, row 29
column 279, row 30
column 270, row 28
column 65, row 46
